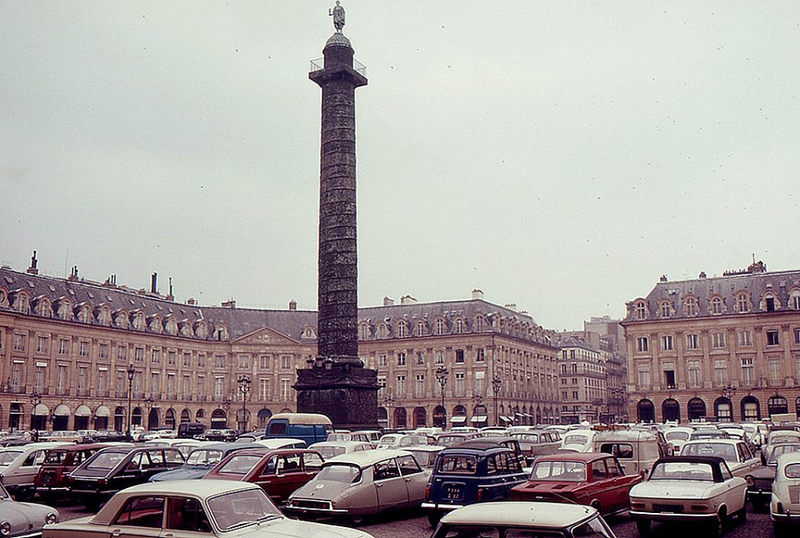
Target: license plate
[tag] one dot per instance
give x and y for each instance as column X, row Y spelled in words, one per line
column 453, row 492
column 675, row 509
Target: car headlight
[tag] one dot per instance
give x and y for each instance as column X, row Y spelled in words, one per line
column 51, row 518
column 5, row 528
column 751, row 481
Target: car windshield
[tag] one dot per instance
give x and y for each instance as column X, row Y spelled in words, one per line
column 106, row 460
column 594, row 527
column 788, row 438
column 709, row 435
column 792, row 471
column 239, row 464
column 339, row 472
column 781, row 449
column 559, row 471
column 204, row 457
column 680, row 470
column 677, row 436
column 242, row 508
column 723, row 450
column 576, row 439
column 8, row 456
column 330, row 451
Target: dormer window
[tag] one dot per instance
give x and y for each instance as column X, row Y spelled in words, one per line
column 44, row 308
column 85, row 314
column 640, row 311
column 65, row 310
column 104, row 316
column 716, row 305
column 363, row 331
column 201, row 329
column 139, row 323
column 121, row 320
column 438, row 327
column 171, row 327
column 480, row 323
column 22, row 302
column 309, row 333
column 769, row 303
column 690, row 307
column 665, row 309
column 794, row 299
column 383, row 331
column 742, row 303
column 402, row 329
column 221, row 333
column 459, row 326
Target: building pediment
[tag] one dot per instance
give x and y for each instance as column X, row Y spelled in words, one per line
column 265, row 336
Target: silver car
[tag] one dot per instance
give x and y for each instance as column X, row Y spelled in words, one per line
column 23, row 520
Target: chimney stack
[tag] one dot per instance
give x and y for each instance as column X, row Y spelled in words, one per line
column 229, row 304
column 153, row 283
column 191, row 301
column 32, row 270
column 73, row 274
column 407, row 299
column 292, row 305
column 170, row 297
column 477, row 294
column 511, row 306
column 387, row 301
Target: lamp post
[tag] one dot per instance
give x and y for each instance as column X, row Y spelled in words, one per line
column 497, row 383
column 441, row 377
column 131, row 371
column 148, row 404
column 36, row 399
column 728, row 392
column 244, row 387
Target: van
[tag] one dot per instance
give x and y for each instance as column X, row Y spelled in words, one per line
column 636, row 450
column 309, row 427
column 187, row 430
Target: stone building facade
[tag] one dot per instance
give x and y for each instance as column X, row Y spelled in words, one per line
column 723, row 348
column 582, row 381
column 68, row 344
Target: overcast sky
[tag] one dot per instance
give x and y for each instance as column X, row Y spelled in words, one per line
column 557, row 155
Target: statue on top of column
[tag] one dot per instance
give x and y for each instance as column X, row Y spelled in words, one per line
column 338, row 16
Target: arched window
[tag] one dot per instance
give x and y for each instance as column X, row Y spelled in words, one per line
column 665, row 309
column 400, row 418
column 156, row 324
column 65, row 309
column 138, row 321
column 480, row 323
column 769, row 303
column 419, row 328
column 716, row 305
column 22, row 303
column 459, row 326
column 171, row 326
column 750, row 409
column 742, row 303
column 121, row 319
column 363, row 331
column 794, row 299
column 438, row 326
column 383, row 331
column 777, row 404
column 671, row 410
column 690, row 307
column 201, row 329
column 44, row 307
column 84, row 313
column 645, row 411
column 723, row 409
column 402, row 329
column 104, row 315
column 420, row 417
column 641, row 310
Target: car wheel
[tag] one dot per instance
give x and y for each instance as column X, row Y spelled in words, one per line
column 717, row 526
column 24, row 494
column 741, row 516
column 643, row 526
column 780, row 530
column 357, row 521
column 433, row 518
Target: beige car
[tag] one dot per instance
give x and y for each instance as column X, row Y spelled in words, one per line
column 735, row 452
column 192, row 508
column 361, row 484
column 19, row 466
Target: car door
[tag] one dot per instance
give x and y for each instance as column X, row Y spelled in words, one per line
column 140, row 517
column 415, row 479
column 266, row 476
column 131, row 473
column 733, row 489
column 289, row 476
column 619, row 485
column 748, row 459
column 389, row 485
column 184, row 517
column 312, row 463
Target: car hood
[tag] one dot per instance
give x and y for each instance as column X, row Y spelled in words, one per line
column 673, row 489
column 318, row 489
column 291, row 528
column 193, row 472
column 20, row 514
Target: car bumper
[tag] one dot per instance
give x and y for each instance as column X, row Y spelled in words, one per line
column 671, row 516
column 36, row 534
column 52, row 489
column 759, row 494
column 315, row 510
column 436, row 507
column 793, row 517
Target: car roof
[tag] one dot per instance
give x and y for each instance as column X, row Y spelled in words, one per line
column 715, row 440
column 484, row 448
column 574, row 456
column 483, row 443
column 788, row 458
column 519, row 513
column 365, row 458
column 302, row 418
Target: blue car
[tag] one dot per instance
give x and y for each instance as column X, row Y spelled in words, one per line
column 201, row 460
column 465, row 475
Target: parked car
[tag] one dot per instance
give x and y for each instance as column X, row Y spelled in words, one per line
column 677, row 436
column 454, row 438
column 58, row 463
column 66, row 437
column 113, row 469
column 188, row 430
column 464, row 475
column 19, row 466
column 535, row 443
column 310, row 427
column 184, row 445
column 329, row 449
column 736, row 453
column 401, row 440
column 636, row 450
column 784, row 506
column 697, row 489
column 223, row 434
column 759, row 481
column 21, row 519
column 425, row 455
column 362, row 484
column 201, row 460
column 777, row 437
column 279, row 472
column 578, row 440
column 281, row 442
column 589, row 478
column 520, row 519
column 370, row 436
column 708, row 434
column 213, row 508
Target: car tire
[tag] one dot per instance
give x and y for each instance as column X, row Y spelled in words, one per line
column 717, row 526
column 24, row 494
column 741, row 516
column 643, row 526
column 357, row 521
column 433, row 518
column 780, row 530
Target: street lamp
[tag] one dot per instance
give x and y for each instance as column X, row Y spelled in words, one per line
column 728, row 392
column 244, row 387
column 131, row 372
column 148, row 404
column 496, row 384
column 36, row 399
column 441, row 377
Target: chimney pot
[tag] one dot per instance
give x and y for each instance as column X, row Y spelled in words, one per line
column 292, row 305
column 388, row 302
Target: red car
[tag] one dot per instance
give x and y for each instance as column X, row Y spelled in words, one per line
column 279, row 472
column 590, row 478
column 52, row 475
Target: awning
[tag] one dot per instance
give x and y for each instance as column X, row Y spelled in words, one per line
column 458, row 419
column 41, row 410
column 506, row 419
column 83, row 411
column 102, row 411
column 62, row 411
column 479, row 419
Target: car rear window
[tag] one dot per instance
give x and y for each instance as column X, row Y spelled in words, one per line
column 623, row 451
column 567, row 471
column 576, row 439
column 55, row 457
column 239, row 465
column 457, row 464
column 679, row 470
column 344, row 473
column 793, row 470
column 106, row 460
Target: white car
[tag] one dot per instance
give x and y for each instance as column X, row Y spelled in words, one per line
column 578, row 440
column 735, row 452
column 694, row 489
column 677, row 437
column 784, row 506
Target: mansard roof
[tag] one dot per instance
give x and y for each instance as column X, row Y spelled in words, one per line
column 755, row 284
